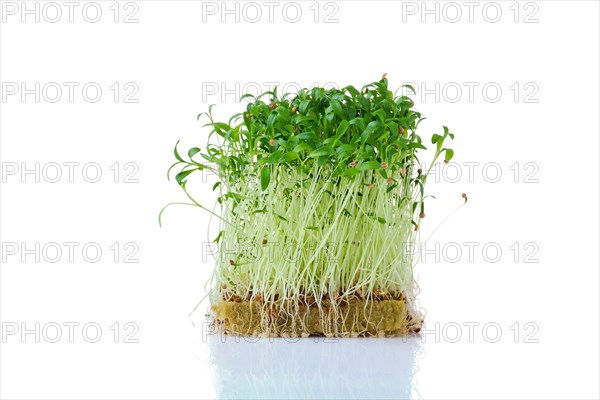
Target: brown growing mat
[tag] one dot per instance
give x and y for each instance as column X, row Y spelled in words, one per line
column 356, row 317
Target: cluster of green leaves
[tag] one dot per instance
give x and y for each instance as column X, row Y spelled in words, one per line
column 348, row 129
column 317, row 167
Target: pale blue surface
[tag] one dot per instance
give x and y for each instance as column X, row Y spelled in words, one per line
column 314, row 368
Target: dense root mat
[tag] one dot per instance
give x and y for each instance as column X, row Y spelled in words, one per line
column 356, row 317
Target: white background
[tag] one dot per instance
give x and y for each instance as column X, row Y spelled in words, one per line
column 176, row 54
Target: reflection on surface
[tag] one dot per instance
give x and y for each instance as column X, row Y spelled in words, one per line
column 314, row 368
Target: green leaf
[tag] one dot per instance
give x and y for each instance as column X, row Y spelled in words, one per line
column 380, row 114
column 350, row 172
column 369, row 129
column 271, row 120
column 220, row 127
column 170, row 168
column 342, row 128
column 307, row 136
column 322, row 151
column 193, row 151
column 261, row 161
column 337, row 109
column 247, row 95
column 332, row 141
column 289, row 156
column 360, row 122
column 302, row 147
column 435, row 138
column 410, row 87
column 182, row 175
column 368, row 166
column 345, row 150
column 449, row 154
column 303, row 106
column 416, row 145
column 265, row 177
column 177, row 156
column 274, row 158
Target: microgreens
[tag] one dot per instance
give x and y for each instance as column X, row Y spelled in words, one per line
column 324, row 186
